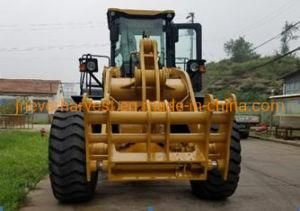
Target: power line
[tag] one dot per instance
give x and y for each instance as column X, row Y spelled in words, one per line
column 271, row 16
column 275, row 37
column 52, row 47
column 275, row 59
column 50, row 26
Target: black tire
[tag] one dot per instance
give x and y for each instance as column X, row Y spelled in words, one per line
column 67, row 161
column 215, row 188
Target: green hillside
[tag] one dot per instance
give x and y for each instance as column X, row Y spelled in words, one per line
column 249, row 85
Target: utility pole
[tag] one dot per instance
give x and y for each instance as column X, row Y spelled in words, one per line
column 191, row 17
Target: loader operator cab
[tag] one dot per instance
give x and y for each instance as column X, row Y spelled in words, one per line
column 127, row 46
column 179, row 45
column 127, row 31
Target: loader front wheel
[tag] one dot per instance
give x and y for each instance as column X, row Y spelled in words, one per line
column 67, row 161
column 215, row 187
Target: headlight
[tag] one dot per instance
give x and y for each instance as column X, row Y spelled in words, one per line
column 91, row 66
column 194, row 67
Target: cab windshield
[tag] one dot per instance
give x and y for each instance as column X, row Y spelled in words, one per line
column 131, row 31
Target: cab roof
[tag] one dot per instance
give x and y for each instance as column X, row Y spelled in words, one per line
column 114, row 13
column 141, row 12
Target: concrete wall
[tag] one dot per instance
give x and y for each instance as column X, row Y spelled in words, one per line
column 51, row 103
column 291, row 105
column 289, row 114
column 70, row 89
column 292, row 85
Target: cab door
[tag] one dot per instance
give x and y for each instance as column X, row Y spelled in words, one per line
column 188, row 52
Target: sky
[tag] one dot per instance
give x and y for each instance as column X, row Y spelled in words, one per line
column 44, row 39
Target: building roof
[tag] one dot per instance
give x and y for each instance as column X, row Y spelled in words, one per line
column 288, row 75
column 284, row 96
column 28, row 87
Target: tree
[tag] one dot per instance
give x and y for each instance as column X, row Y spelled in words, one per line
column 287, row 35
column 239, row 50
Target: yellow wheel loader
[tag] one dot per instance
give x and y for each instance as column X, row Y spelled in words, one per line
column 144, row 119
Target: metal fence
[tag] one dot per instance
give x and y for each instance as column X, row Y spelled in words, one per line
column 16, row 121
